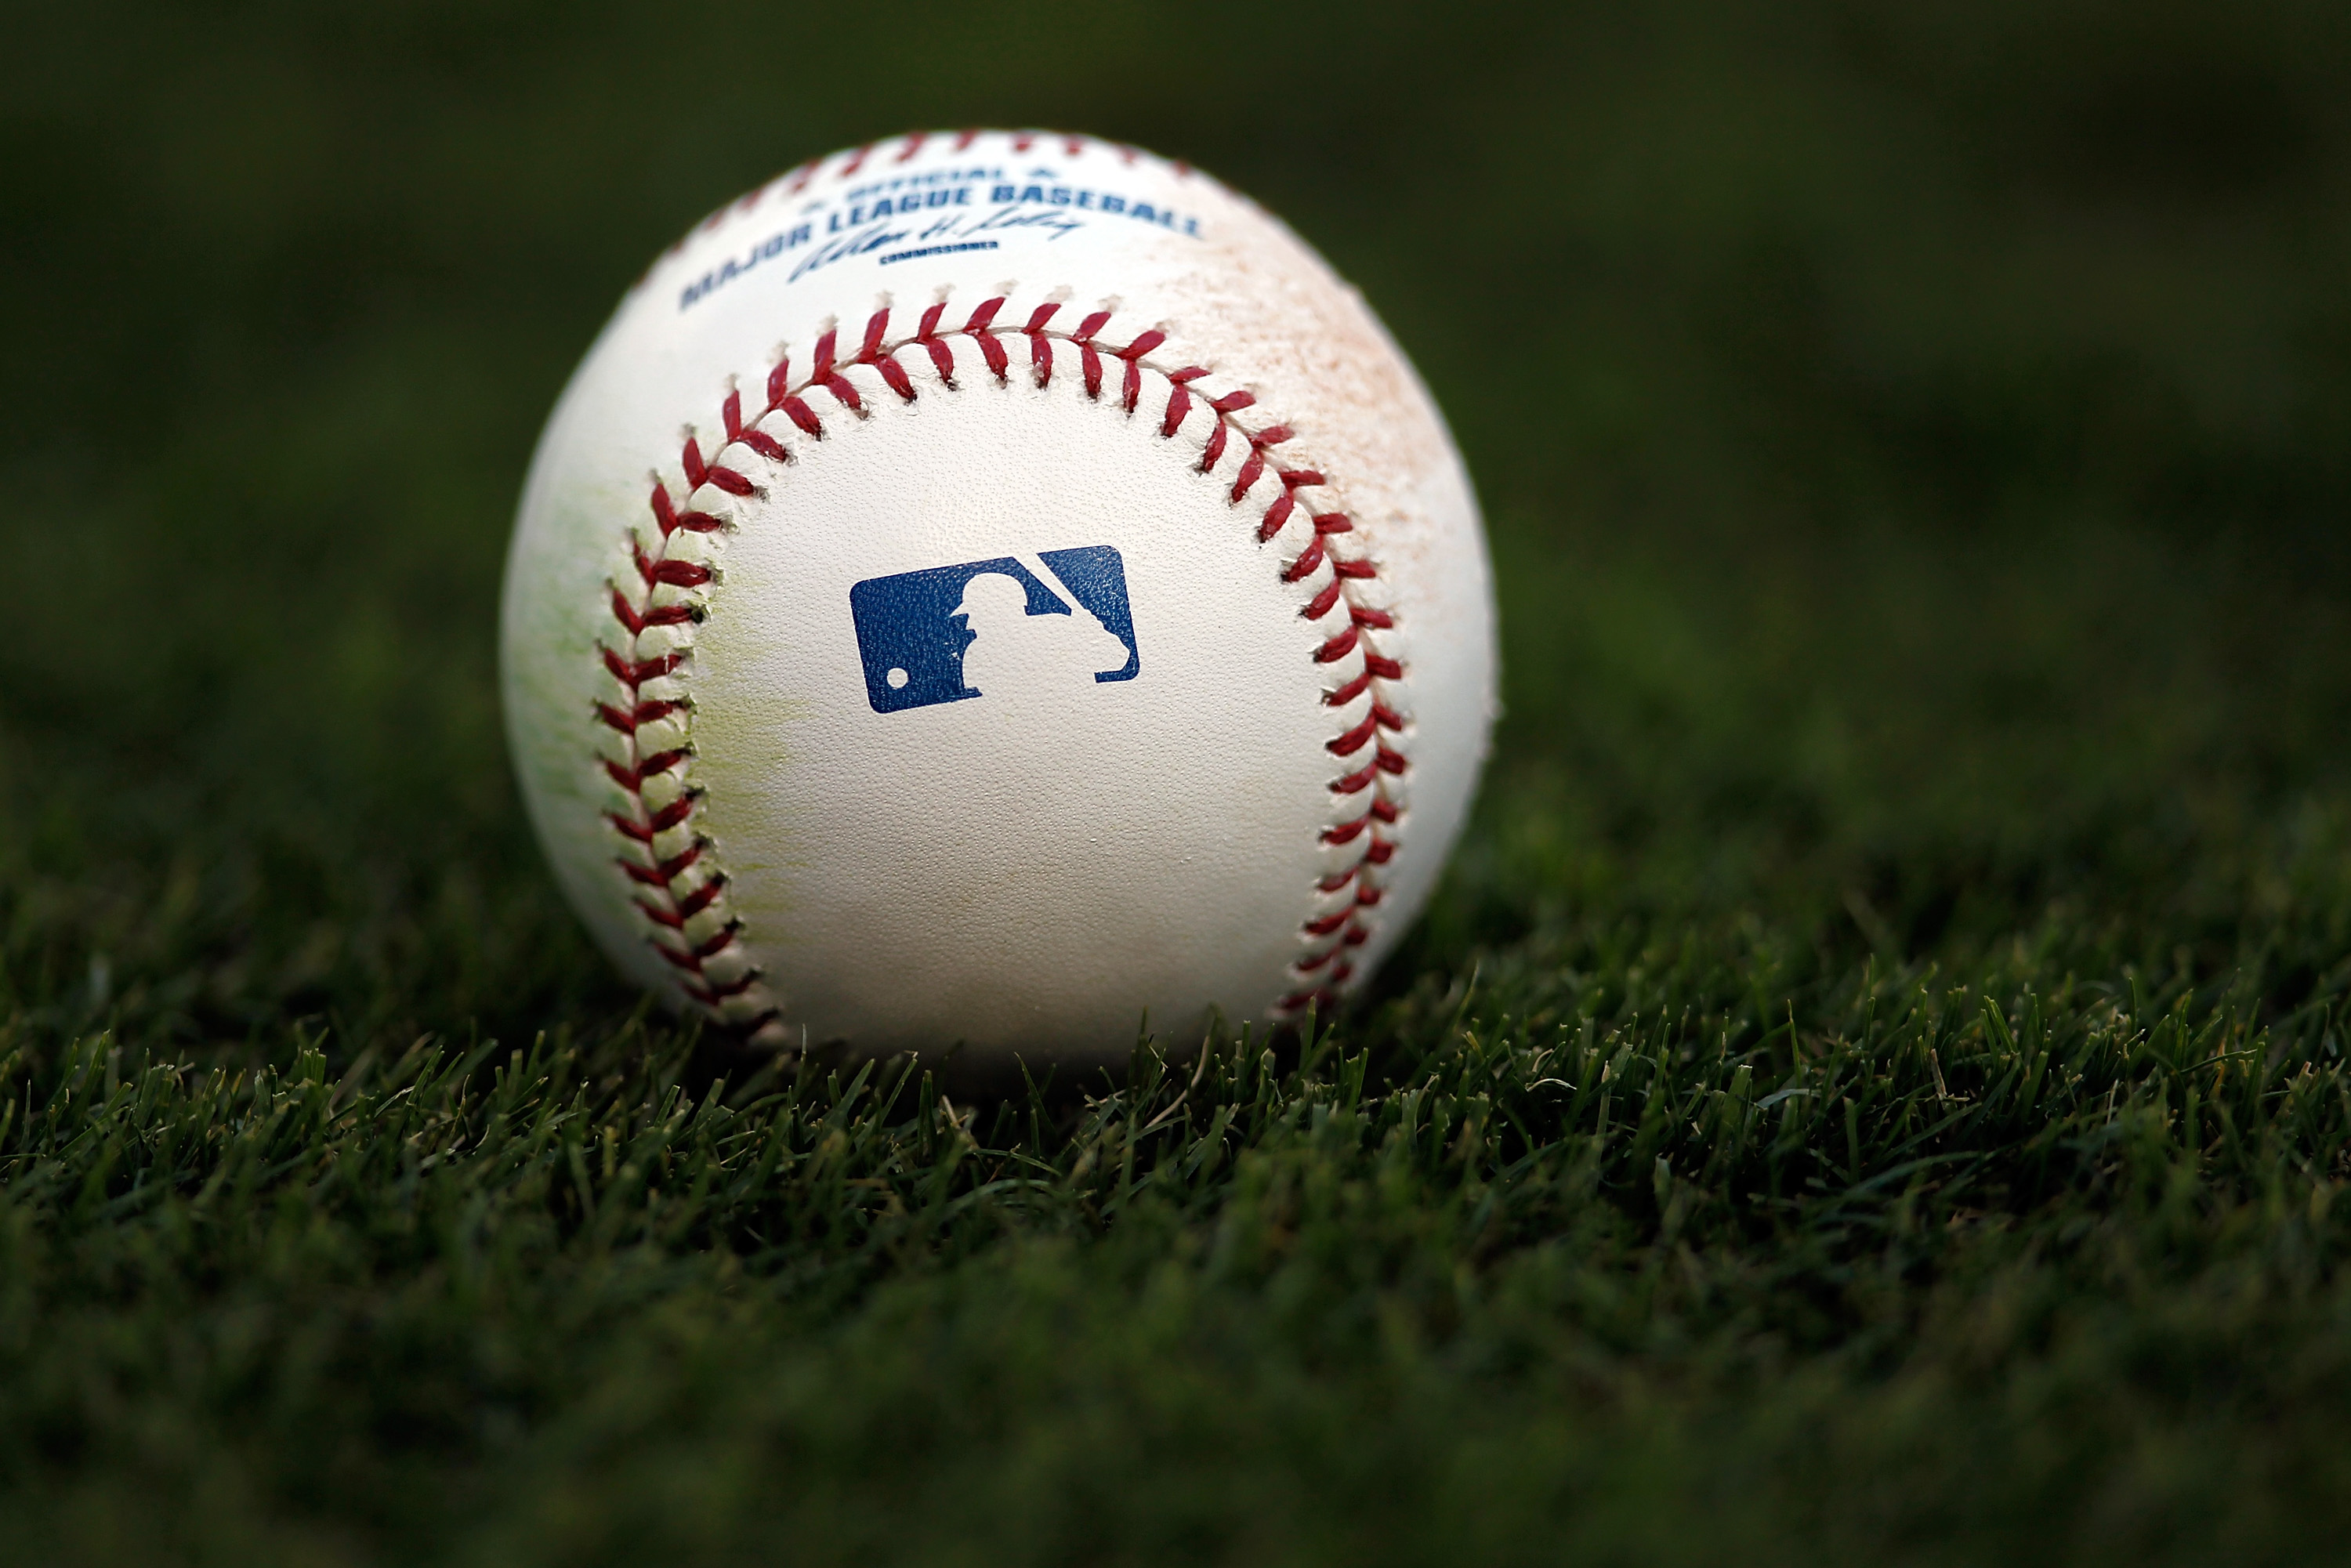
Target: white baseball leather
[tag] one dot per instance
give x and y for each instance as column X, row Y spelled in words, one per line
column 1240, row 822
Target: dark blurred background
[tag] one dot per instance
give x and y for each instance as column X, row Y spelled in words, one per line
column 1914, row 438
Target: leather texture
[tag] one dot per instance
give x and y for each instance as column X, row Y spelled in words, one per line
column 1001, row 711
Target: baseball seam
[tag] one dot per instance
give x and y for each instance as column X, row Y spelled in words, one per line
column 676, row 886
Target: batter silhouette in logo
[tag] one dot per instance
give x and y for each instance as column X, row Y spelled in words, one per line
column 995, row 629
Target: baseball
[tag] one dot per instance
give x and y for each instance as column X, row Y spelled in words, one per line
column 996, row 593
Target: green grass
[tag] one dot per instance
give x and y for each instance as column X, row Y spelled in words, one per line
column 1871, row 1087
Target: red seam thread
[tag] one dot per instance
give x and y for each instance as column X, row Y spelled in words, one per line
column 670, row 908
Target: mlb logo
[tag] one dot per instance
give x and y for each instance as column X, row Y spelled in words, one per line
column 995, row 627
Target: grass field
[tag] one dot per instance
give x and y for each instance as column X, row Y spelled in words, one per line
column 1871, row 1089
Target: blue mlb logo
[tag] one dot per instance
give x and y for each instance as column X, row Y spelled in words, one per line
column 995, row 627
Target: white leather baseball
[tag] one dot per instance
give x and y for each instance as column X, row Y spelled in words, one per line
column 1019, row 407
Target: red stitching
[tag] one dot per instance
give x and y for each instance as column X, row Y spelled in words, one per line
column 638, row 829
